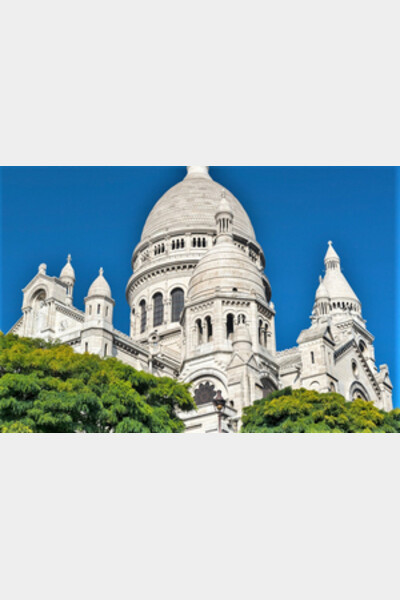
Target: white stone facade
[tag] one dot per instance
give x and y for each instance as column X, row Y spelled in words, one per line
column 201, row 311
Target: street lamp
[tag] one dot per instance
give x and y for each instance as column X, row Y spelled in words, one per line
column 219, row 404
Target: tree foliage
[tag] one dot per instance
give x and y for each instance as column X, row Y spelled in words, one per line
column 305, row 411
column 48, row 388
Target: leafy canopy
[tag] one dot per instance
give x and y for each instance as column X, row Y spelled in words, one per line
column 46, row 387
column 305, row 411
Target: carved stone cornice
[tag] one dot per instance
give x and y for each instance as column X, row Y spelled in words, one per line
column 77, row 316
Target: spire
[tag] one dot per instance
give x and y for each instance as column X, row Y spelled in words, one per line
column 193, row 172
column 67, row 272
column 100, row 286
column 335, row 283
column 332, row 260
column 224, row 219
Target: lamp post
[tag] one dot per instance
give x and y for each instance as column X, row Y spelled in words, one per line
column 219, row 404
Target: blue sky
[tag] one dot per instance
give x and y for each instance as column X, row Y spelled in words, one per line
column 97, row 215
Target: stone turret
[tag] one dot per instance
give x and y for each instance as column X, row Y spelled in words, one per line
column 67, row 276
column 98, row 324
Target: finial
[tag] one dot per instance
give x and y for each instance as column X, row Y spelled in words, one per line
column 42, row 268
column 69, row 258
column 197, row 172
column 224, row 206
column 101, row 271
column 330, row 243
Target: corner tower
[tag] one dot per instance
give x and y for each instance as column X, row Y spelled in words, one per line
column 337, row 352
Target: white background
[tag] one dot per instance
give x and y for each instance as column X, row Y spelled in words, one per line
column 246, row 516
column 251, row 83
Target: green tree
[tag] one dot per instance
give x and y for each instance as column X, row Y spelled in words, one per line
column 305, row 411
column 48, row 388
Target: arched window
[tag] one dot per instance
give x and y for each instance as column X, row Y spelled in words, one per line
column 173, row 245
column 260, row 331
column 209, row 330
column 229, row 326
column 158, row 309
column 177, row 302
column 362, row 346
column 204, row 242
column 241, row 319
column 143, row 316
column 194, row 242
column 199, row 331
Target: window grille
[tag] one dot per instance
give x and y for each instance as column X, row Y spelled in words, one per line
column 158, row 309
column 143, row 316
column 177, row 298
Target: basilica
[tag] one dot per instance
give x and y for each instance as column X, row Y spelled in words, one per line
column 201, row 311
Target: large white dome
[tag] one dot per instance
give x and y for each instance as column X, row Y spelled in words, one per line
column 191, row 206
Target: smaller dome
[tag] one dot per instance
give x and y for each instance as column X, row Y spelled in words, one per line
column 67, row 272
column 335, row 282
column 100, row 286
column 225, row 268
column 321, row 292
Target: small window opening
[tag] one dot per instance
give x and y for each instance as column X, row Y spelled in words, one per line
column 199, row 329
column 209, row 329
column 143, row 316
column 229, row 326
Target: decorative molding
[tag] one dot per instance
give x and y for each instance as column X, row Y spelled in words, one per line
column 71, row 313
column 235, row 302
column 202, row 306
column 127, row 348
